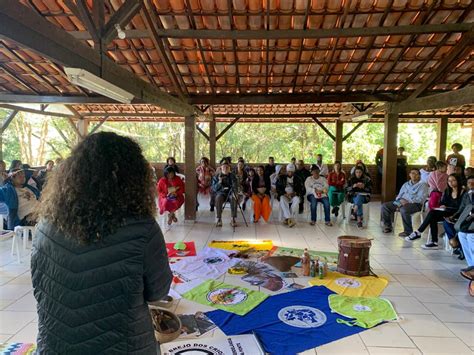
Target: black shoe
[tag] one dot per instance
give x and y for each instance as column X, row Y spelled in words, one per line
column 461, row 256
column 212, row 208
column 336, row 211
column 457, row 251
column 243, row 206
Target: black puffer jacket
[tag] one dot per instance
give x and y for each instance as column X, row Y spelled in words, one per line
column 92, row 299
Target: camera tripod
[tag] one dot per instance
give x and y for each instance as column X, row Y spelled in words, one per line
column 233, row 194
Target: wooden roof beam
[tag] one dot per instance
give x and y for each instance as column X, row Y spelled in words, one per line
column 464, row 96
column 121, row 17
column 82, row 12
column 24, row 26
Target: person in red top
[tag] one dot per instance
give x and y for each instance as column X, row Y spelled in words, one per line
column 170, row 193
column 337, row 182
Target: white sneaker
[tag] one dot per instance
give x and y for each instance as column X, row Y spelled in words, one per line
column 413, row 236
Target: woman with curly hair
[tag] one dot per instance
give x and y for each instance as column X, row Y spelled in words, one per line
column 171, row 194
column 99, row 256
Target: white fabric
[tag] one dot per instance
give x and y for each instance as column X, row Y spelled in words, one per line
column 424, row 175
column 27, row 202
column 286, row 211
column 209, row 263
column 290, row 167
column 323, row 169
column 312, row 185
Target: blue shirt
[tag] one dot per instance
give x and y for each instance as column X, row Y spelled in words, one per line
column 414, row 193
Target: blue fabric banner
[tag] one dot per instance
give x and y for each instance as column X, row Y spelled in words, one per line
column 289, row 323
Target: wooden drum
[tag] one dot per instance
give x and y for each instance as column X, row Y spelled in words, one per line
column 353, row 255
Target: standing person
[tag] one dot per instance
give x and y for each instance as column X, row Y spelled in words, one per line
column 273, row 181
column 98, row 256
column 225, row 187
column 204, row 173
column 409, row 200
column 401, row 168
column 456, row 160
column 323, row 168
column 270, row 167
column 21, row 200
column 43, row 174
column 171, row 162
column 359, row 188
column 437, row 182
column 302, row 174
column 450, row 203
column 337, row 182
column 428, row 169
column 241, row 174
column 261, row 195
column 317, row 192
column 171, row 194
column 290, row 190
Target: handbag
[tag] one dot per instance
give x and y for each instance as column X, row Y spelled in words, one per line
column 434, row 200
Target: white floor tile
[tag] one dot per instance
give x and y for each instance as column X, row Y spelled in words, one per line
column 387, row 335
column 349, row 345
column 408, row 305
column 430, row 294
column 26, row 303
column 438, row 346
column 395, row 289
column 463, row 331
column 395, row 351
column 12, row 322
column 26, row 335
column 424, row 325
column 451, row 312
column 9, row 291
column 455, row 288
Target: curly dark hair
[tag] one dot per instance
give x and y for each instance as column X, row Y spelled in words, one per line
column 104, row 181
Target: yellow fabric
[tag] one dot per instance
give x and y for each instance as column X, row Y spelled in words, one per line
column 345, row 285
column 242, row 244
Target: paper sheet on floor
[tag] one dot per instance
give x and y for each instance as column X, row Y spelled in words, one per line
column 367, row 286
column 241, row 344
column 230, row 298
column 288, row 323
column 366, row 311
column 242, row 244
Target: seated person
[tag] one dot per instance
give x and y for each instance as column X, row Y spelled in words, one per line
column 450, row 203
column 273, row 180
column 336, row 182
column 270, row 167
column 247, row 186
column 261, row 195
column 3, row 172
column 204, row 173
column 43, row 174
column 21, row 200
column 170, row 190
column 360, row 164
column 437, row 182
column 290, row 190
column 358, row 190
column 171, row 161
column 409, row 200
column 302, row 174
column 430, row 167
column 224, row 186
column 317, row 191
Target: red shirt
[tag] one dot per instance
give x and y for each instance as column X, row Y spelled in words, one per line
column 337, row 180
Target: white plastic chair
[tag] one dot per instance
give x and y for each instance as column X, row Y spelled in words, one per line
column 21, row 232
column 365, row 212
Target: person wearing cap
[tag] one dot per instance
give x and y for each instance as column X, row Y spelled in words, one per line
column 290, row 189
column 20, row 198
column 170, row 190
column 303, row 174
column 317, row 192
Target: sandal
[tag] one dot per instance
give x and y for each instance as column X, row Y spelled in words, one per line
column 175, row 220
column 469, row 275
column 170, row 219
column 471, row 289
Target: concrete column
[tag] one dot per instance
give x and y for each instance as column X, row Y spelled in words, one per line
column 338, row 142
column 190, row 168
column 389, row 176
column 212, row 142
column 442, row 137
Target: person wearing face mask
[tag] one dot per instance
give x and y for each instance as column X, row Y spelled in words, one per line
column 409, row 200
column 290, row 190
column 323, row 168
column 358, row 190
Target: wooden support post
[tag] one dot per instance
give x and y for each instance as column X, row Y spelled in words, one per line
column 389, row 176
column 338, row 141
column 189, row 168
column 471, row 162
column 82, row 128
column 4, row 126
column 442, row 138
column 212, row 142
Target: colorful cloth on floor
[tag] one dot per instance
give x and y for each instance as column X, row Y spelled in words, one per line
column 366, row 311
column 367, row 286
column 241, row 344
column 230, row 298
column 209, row 263
column 288, row 323
column 241, row 244
column 262, row 275
column 331, row 257
column 17, row 349
column 190, row 250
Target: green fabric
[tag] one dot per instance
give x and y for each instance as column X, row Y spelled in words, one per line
column 336, row 197
column 180, row 246
column 230, row 298
column 366, row 311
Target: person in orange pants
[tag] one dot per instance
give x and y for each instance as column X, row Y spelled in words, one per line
column 261, row 195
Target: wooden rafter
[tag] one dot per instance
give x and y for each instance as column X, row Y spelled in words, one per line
column 81, row 10
column 121, row 17
column 234, row 121
column 8, row 120
column 324, row 128
column 300, row 51
column 234, row 45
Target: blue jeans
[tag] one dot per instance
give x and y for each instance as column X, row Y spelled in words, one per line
column 314, row 203
column 359, row 200
column 449, row 229
column 467, row 243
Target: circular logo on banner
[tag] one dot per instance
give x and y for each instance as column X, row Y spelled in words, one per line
column 226, row 296
column 197, row 351
column 362, row 308
column 214, row 260
column 347, row 282
column 302, row 316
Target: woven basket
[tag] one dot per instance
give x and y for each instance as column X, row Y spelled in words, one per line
column 166, row 324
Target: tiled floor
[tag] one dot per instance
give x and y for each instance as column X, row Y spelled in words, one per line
column 437, row 315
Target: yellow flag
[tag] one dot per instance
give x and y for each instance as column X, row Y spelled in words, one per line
column 242, row 244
